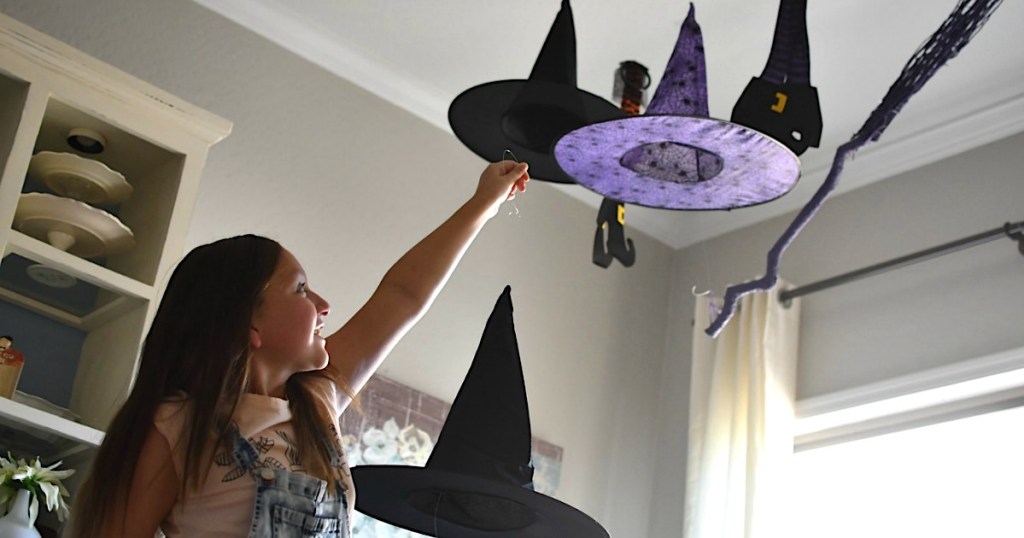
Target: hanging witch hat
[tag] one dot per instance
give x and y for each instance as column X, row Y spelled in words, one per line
column 478, row 481
column 953, row 35
column 528, row 116
column 781, row 102
column 674, row 156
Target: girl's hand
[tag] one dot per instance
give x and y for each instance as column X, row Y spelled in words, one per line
column 500, row 182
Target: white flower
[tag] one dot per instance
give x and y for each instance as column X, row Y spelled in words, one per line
column 380, row 446
column 414, row 445
column 391, row 428
column 353, row 450
column 37, row 479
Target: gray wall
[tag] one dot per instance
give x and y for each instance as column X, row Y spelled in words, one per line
column 957, row 307
column 348, row 182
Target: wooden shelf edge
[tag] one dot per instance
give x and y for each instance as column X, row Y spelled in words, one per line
column 42, row 309
column 28, row 247
column 39, row 421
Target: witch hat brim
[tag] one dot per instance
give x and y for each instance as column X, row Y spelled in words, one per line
column 478, row 481
column 675, row 156
column 751, row 168
column 485, row 120
column 427, row 501
column 528, row 116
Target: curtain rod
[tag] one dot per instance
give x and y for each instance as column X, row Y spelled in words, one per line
column 1013, row 231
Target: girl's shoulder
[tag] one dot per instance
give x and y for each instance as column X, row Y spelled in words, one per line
column 172, row 407
column 331, row 394
column 170, row 420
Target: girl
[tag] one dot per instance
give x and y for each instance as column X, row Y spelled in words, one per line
column 231, row 428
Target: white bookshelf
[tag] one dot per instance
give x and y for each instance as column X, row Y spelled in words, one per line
column 160, row 144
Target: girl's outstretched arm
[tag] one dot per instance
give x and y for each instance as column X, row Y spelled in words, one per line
column 410, row 286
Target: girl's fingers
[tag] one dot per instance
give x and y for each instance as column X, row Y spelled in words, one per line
column 519, row 169
column 513, row 174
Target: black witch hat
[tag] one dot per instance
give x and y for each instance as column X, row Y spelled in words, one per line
column 478, row 481
column 529, row 116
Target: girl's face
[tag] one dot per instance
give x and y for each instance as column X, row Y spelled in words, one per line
column 286, row 326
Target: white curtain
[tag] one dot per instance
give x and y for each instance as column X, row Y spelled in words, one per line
column 742, row 392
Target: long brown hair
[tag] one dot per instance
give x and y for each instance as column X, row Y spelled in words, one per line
column 198, row 344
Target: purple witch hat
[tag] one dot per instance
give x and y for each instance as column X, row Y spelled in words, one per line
column 529, row 116
column 674, row 156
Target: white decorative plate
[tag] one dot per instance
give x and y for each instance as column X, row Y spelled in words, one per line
column 48, row 276
column 72, row 226
column 86, row 180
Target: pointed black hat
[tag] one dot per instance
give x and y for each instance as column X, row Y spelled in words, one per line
column 478, row 481
column 528, row 116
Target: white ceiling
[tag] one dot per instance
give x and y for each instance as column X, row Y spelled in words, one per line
column 421, row 54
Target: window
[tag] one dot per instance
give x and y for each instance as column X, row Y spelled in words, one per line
column 937, row 454
column 961, row 478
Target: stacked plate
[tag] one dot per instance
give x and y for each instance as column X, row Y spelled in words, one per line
column 68, row 219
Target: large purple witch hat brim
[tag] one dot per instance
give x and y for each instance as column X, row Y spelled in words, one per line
column 478, row 481
column 675, row 156
column 654, row 161
column 528, row 116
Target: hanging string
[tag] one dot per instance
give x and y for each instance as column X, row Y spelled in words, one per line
column 704, row 256
column 712, row 306
column 955, row 32
column 507, row 155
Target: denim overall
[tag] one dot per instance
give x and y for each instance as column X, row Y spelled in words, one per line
column 289, row 504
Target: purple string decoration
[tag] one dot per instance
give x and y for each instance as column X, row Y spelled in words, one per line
column 955, row 32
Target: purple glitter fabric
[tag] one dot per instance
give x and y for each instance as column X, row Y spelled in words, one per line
column 618, row 159
column 683, row 90
column 674, row 156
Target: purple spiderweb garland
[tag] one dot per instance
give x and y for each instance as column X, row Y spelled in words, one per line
column 955, row 32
